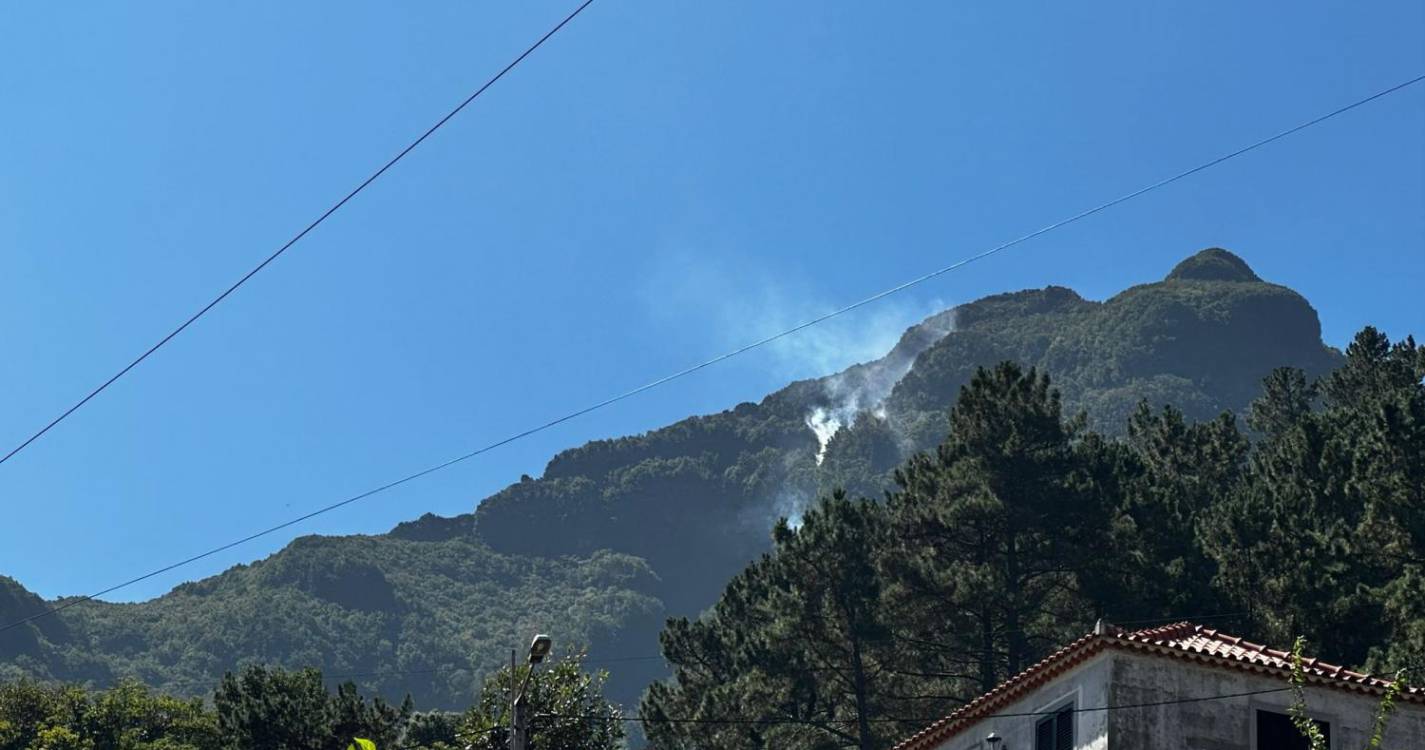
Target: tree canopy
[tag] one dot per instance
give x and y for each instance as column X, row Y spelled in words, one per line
column 1023, row 527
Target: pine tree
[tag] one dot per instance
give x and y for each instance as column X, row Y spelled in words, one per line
column 1325, row 537
column 1173, row 472
column 265, row 708
column 1287, row 398
column 798, row 640
column 994, row 528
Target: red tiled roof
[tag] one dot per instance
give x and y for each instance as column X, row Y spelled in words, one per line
column 1182, row 640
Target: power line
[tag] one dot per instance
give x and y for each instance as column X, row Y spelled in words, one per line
column 466, row 735
column 722, row 357
column 1148, row 704
column 298, row 236
column 160, row 682
column 451, row 670
column 904, row 720
column 913, row 720
column 376, row 673
column 1072, row 623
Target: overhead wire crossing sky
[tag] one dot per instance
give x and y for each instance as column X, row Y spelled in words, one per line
column 1074, row 218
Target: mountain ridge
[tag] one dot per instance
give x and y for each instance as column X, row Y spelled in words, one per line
column 618, row 534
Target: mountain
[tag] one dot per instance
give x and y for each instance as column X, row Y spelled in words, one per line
column 619, row 534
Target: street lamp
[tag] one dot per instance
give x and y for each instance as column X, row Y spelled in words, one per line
column 519, row 710
column 539, row 648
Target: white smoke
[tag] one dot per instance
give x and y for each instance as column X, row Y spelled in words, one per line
column 790, row 505
column 824, row 423
column 723, row 301
column 865, row 388
column 787, row 502
column 737, row 302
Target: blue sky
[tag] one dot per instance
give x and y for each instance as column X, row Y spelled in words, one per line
column 661, row 182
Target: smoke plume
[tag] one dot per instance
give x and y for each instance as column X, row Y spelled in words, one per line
column 864, row 388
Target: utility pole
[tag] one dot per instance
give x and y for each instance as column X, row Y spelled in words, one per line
column 519, row 740
column 515, row 740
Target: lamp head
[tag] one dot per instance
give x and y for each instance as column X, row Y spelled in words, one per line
column 539, row 648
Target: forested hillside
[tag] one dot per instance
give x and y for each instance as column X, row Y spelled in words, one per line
column 618, row 535
column 428, row 618
column 1022, row 529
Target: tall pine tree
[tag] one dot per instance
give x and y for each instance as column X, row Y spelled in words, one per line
column 994, row 528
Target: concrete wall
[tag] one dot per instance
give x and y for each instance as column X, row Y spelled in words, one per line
column 1229, row 724
column 1087, row 686
column 1119, row 678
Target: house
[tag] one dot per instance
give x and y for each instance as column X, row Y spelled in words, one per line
column 1178, row 686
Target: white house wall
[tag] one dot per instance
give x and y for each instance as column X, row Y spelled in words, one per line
column 1086, row 684
column 1228, row 724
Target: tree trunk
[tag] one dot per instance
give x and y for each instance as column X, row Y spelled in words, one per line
column 987, row 651
column 1014, row 634
column 863, row 707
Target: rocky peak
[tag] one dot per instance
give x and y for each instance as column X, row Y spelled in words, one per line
column 1213, row 264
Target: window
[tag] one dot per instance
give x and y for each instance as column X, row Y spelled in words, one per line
column 1056, row 732
column 1276, row 732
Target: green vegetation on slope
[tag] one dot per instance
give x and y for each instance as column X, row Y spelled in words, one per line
column 428, row 618
column 1201, row 340
column 620, row 533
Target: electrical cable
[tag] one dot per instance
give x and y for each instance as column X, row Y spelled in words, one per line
column 897, row 720
column 720, row 358
column 1195, row 618
column 378, row 673
column 295, row 238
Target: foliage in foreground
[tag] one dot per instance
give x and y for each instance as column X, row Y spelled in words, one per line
column 1310, row 730
column 265, row 708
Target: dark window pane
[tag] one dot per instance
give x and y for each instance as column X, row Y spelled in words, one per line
column 1064, row 729
column 1276, row 732
column 1044, row 734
